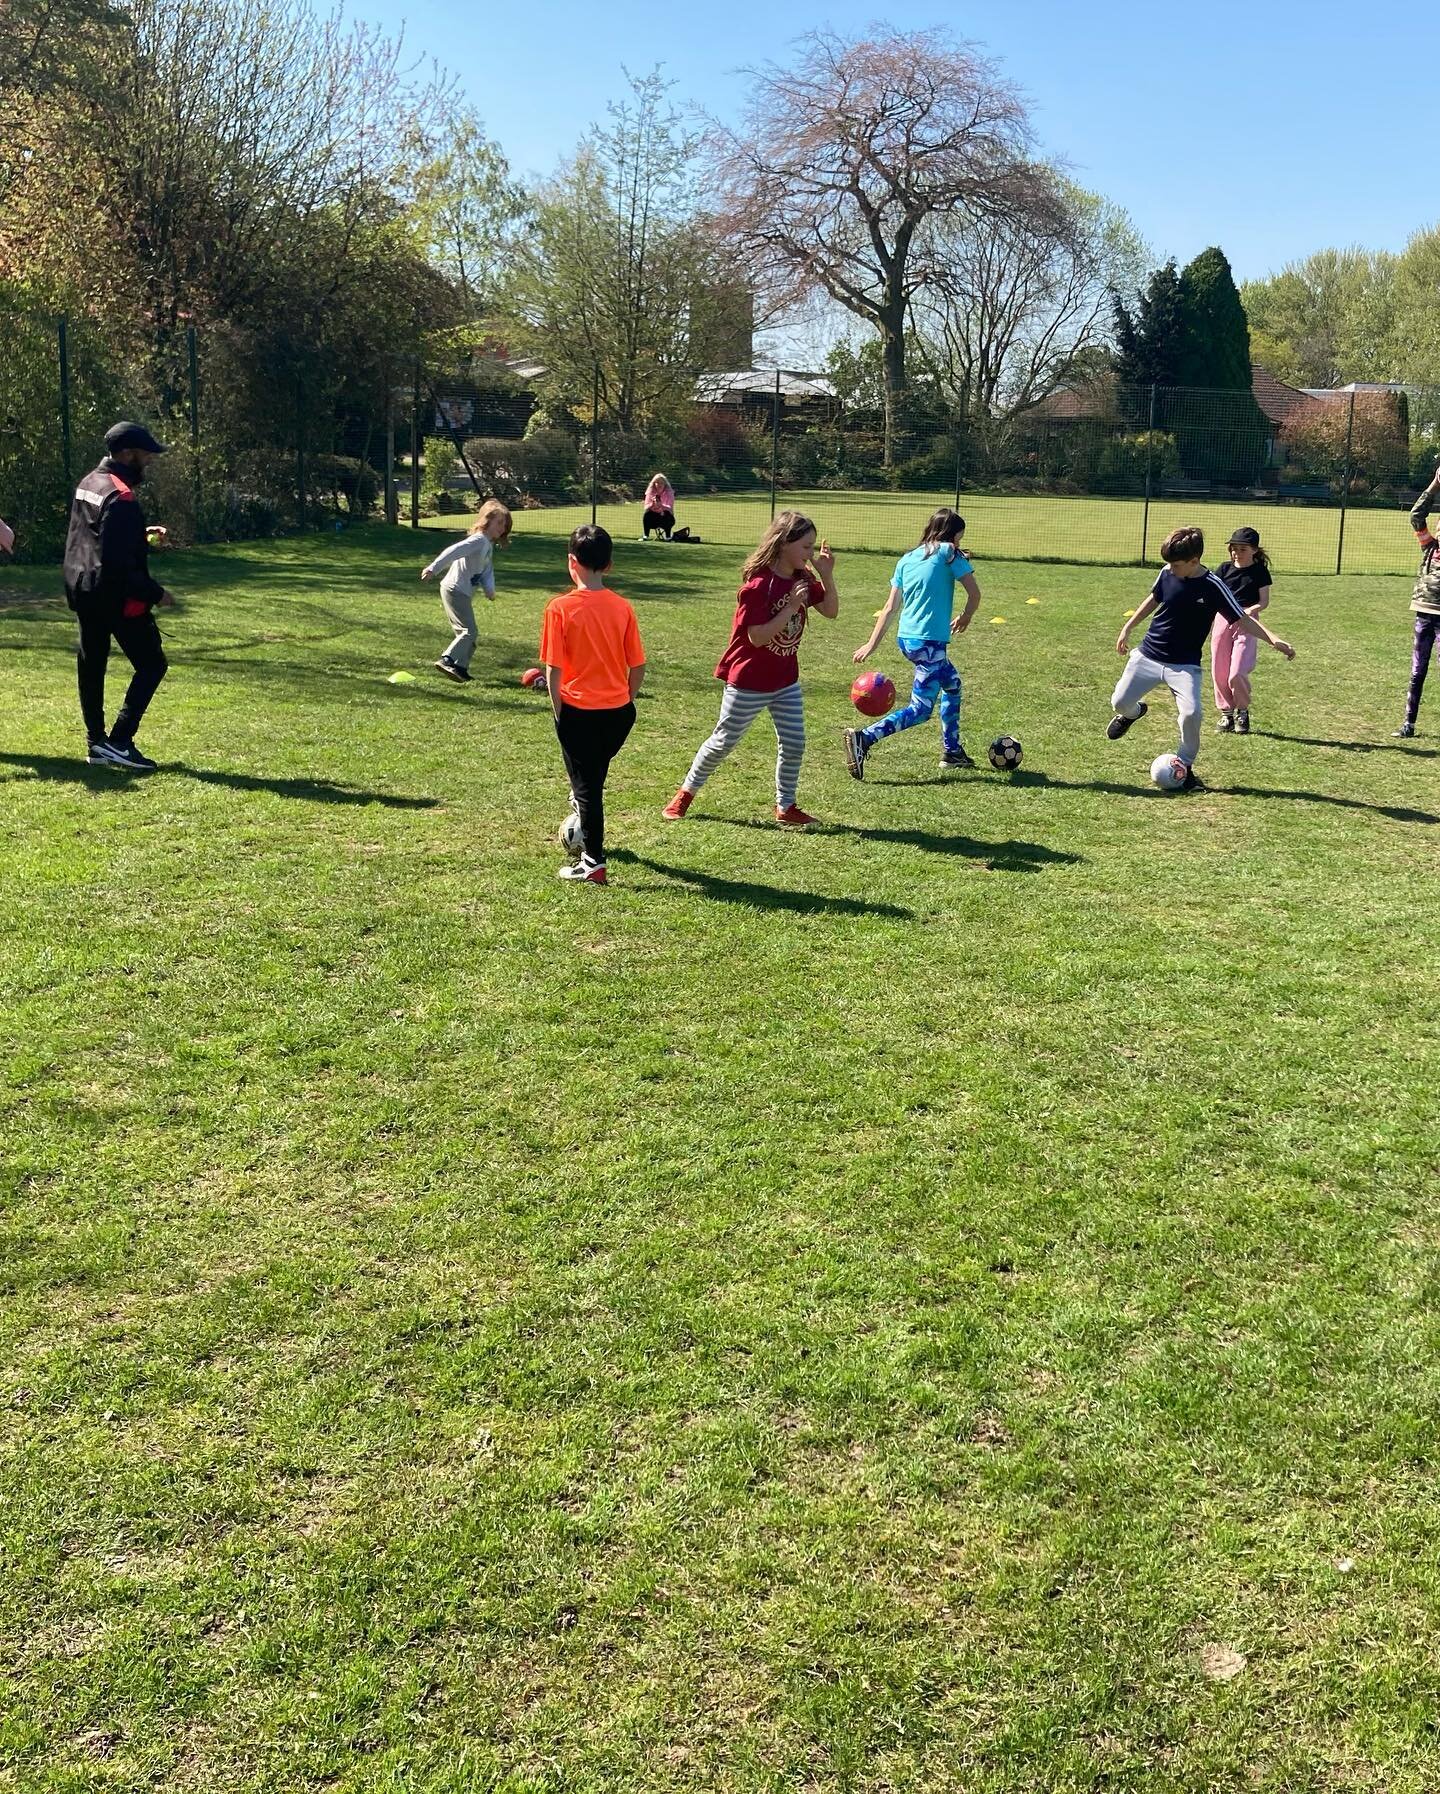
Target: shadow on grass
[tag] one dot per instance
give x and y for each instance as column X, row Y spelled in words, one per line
column 999, row 856
column 756, row 896
column 314, row 791
column 1354, row 747
column 1395, row 812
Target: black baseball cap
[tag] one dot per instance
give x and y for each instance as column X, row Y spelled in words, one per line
column 128, row 436
column 1245, row 538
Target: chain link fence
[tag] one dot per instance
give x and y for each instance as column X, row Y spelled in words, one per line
column 276, row 437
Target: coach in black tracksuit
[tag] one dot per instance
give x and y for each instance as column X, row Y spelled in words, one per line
column 109, row 587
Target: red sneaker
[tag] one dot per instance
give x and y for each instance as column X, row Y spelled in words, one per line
column 678, row 805
column 794, row 817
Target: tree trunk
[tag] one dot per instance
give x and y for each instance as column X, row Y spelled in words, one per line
column 892, row 341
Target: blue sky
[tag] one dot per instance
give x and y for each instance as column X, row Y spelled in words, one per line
column 1269, row 128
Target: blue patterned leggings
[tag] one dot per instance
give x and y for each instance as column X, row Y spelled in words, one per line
column 935, row 678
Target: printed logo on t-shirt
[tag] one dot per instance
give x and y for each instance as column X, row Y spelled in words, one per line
column 788, row 640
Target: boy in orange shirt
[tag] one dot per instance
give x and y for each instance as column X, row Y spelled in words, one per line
column 594, row 666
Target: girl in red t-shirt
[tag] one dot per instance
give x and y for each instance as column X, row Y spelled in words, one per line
column 783, row 580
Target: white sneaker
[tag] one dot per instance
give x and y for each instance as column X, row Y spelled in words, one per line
column 585, row 870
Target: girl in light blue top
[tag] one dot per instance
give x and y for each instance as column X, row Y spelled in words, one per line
column 922, row 589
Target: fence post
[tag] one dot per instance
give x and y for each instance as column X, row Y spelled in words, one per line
column 415, row 450
column 1345, row 486
column 62, row 343
column 303, row 508
column 392, row 508
column 595, row 446
column 774, row 442
column 959, row 459
column 195, row 493
column 1149, row 465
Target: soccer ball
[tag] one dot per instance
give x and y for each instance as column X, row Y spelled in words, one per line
column 1005, row 753
column 1168, row 772
column 873, row 694
column 533, row 678
column 571, row 838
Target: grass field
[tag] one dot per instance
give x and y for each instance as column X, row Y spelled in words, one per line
column 944, row 1303
column 1096, row 531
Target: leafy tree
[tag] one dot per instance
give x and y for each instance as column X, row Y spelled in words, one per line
column 614, row 272
column 855, row 368
column 1328, row 319
column 1150, row 338
column 463, row 205
column 1215, row 341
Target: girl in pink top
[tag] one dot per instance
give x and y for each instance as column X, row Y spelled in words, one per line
column 659, row 506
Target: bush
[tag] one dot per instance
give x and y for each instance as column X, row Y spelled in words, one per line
column 247, row 514
column 1424, row 458
column 925, row 469
column 717, row 449
column 1121, row 463
column 543, row 464
column 808, row 458
column 441, row 462
column 356, row 481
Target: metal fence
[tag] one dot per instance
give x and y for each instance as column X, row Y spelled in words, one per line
column 281, row 438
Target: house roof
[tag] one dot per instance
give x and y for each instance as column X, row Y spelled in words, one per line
column 722, row 389
column 1279, row 402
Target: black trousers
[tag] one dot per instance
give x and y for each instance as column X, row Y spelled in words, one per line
column 661, row 520
column 138, row 639
column 590, row 740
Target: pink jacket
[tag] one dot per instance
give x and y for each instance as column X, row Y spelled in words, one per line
column 659, row 495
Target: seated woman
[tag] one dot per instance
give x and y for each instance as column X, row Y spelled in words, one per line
column 659, row 506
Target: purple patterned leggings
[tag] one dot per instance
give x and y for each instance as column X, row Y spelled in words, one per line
column 1427, row 630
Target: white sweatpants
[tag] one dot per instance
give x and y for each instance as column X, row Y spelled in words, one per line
column 1142, row 675
column 738, row 710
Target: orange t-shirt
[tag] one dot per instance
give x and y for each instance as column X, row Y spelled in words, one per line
column 594, row 640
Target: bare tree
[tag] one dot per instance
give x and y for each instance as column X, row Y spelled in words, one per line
column 240, row 152
column 849, row 153
column 1017, row 304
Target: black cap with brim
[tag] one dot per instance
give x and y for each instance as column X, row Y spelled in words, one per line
column 128, row 436
column 1245, row 537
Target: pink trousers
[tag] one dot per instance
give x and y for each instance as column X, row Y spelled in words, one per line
column 1232, row 657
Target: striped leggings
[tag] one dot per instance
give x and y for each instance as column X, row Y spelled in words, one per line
column 738, row 709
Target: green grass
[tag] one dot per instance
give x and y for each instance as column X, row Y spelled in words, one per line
column 867, row 1311
column 1095, row 531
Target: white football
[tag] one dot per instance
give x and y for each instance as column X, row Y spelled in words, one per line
column 1168, row 772
column 571, row 839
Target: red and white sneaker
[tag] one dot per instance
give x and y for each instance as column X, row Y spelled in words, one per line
column 585, row 871
column 678, row 805
column 794, row 817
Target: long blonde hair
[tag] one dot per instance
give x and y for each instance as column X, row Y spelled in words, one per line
column 492, row 507
column 785, row 526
